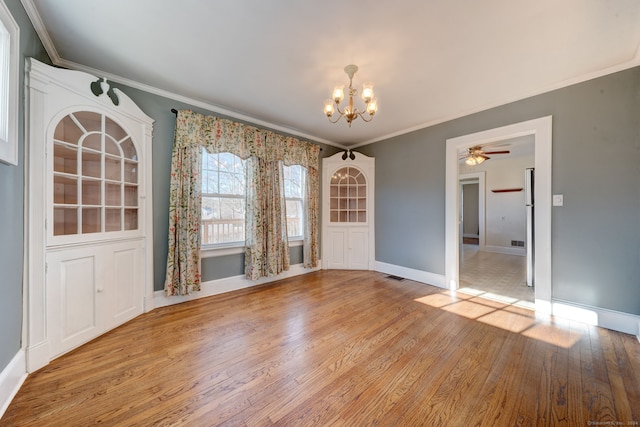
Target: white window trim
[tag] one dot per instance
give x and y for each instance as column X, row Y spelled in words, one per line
column 9, row 144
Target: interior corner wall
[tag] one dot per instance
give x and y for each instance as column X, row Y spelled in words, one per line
column 12, row 207
column 596, row 152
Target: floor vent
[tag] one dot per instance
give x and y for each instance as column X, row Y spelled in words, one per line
column 391, row 276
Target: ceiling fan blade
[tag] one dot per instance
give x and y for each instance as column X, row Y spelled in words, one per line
column 497, row 152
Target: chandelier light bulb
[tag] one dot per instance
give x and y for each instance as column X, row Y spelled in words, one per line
column 328, row 107
column 338, row 94
column 367, row 92
column 372, row 106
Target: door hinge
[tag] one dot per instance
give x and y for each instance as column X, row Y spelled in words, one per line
column 46, row 267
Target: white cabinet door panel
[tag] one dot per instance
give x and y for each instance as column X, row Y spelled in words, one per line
column 358, row 247
column 126, row 283
column 72, row 299
column 338, row 253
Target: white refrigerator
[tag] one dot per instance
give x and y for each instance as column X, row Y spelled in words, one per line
column 529, row 182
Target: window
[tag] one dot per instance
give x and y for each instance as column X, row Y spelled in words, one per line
column 223, row 198
column 9, row 53
column 294, row 177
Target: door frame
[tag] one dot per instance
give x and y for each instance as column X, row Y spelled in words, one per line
column 541, row 130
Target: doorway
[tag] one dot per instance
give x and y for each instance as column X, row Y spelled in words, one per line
column 541, row 130
column 497, row 270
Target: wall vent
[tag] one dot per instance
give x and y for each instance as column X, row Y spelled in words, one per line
column 517, row 243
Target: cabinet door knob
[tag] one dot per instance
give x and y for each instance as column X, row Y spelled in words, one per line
column 99, row 290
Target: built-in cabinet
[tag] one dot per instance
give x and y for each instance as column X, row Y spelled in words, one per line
column 89, row 224
column 348, row 227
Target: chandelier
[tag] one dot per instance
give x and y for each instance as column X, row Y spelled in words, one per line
column 350, row 112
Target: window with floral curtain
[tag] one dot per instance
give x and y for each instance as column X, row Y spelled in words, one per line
column 265, row 153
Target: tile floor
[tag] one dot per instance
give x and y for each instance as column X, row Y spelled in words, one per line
column 495, row 276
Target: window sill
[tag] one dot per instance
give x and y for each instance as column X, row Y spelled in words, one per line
column 236, row 248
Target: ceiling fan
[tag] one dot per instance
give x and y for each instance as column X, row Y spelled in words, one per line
column 476, row 155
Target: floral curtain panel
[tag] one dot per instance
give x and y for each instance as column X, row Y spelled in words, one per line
column 267, row 250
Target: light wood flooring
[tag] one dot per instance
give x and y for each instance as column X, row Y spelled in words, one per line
column 496, row 276
column 339, row 348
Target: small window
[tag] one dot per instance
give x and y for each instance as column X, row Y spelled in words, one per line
column 9, row 85
column 223, row 198
column 294, row 192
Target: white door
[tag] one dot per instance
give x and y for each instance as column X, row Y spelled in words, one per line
column 348, row 214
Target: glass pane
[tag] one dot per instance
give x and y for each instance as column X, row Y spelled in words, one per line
column 128, row 149
column 65, row 159
column 93, row 141
column 130, row 195
column 112, row 194
column 110, row 147
column 91, row 164
column 113, row 129
column 91, row 220
column 112, row 168
column 112, row 220
column 68, row 131
column 130, row 171
column 65, row 190
column 294, row 218
column 65, row 221
column 91, row 121
column 222, row 220
column 91, row 192
column 131, row 219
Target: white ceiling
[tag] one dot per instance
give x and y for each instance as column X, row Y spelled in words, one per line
column 275, row 62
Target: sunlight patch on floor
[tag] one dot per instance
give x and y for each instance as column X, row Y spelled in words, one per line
column 502, row 312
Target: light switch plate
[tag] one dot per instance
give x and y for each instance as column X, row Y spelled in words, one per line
column 558, row 199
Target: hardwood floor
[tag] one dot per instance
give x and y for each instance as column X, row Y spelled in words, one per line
column 344, row 348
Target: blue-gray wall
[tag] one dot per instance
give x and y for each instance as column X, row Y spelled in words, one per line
column 596, row 165
column 11, row 208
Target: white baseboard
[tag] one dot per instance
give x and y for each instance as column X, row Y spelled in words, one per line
column 411, row 274
column 605, row 318
column 505, row 250
column 228, row 284
column 11, row 379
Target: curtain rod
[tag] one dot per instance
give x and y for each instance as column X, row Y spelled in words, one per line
column 174, row 111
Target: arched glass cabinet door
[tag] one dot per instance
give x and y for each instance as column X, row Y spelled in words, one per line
column 95, row 176
column 348, row 196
